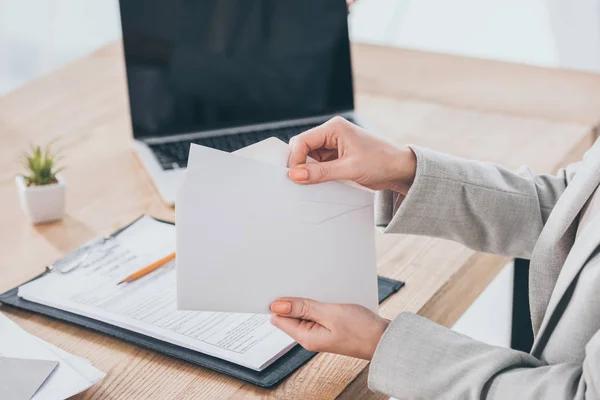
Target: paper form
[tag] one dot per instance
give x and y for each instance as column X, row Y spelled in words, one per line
column 148, row 305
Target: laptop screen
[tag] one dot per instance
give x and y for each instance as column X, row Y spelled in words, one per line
column 208, row 64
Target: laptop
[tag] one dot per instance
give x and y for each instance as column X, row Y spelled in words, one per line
column 229, row 73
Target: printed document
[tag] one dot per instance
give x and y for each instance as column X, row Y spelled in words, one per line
column 148, row 305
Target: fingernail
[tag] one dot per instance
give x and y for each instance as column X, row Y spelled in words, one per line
column 298, row 174
column 281, row 307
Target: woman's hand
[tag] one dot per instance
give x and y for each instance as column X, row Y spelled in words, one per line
column 348, row 152
column 347, row 329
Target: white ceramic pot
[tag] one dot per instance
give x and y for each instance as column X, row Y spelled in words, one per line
column 43, row 203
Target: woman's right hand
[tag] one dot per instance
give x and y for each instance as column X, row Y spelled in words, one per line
column 345, row 151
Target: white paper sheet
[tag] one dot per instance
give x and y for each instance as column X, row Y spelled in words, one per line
column 276, row 152
column 73, row 374
column 247, row 234
column 148, row 305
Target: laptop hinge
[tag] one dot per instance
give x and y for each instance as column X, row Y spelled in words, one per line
column 243, row 129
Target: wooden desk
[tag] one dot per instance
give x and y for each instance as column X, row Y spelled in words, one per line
column 477, row 84
column 84, row 104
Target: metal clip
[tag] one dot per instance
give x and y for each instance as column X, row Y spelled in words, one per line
column 76, row 258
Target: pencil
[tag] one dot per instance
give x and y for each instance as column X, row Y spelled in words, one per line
column 146, row 270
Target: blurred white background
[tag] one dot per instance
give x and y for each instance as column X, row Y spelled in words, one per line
column 38, row 36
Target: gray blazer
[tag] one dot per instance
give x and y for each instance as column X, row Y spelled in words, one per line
column 492, row 209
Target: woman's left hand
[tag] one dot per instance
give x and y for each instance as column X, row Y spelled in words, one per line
column 347, row 329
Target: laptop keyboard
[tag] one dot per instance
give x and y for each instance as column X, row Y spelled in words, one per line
column 174, row 155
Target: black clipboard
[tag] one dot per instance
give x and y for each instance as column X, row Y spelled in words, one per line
column 267, row 378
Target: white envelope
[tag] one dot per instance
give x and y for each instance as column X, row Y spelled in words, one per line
column 247, row 234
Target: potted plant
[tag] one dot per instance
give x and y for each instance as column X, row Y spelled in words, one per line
column 42, row 191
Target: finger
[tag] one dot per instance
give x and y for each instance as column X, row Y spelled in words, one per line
column 308, row 333
column 295, row 307
column 323, row 154
column 319, row 172
column 315, row 155
column 301, row 145
column 290, row 326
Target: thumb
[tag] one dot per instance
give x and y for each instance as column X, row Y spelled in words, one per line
column 293, row 307
column 318, row 172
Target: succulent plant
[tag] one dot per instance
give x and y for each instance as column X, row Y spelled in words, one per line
column 41, row 165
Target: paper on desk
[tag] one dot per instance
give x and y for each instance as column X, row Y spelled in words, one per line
column 20, row 378
column 246, row 235
column 55, row 389
column 72, row 375
column 148, row 305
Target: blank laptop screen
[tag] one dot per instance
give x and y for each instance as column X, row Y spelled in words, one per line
column 195, row 65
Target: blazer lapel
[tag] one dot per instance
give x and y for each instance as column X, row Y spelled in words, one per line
column 556, row 260
column 558, row 236
column 585, row 245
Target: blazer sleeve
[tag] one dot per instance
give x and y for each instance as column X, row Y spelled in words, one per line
column 418, row 359
column 482, row 205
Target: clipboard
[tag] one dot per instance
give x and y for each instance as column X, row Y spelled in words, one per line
column 268, row 378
